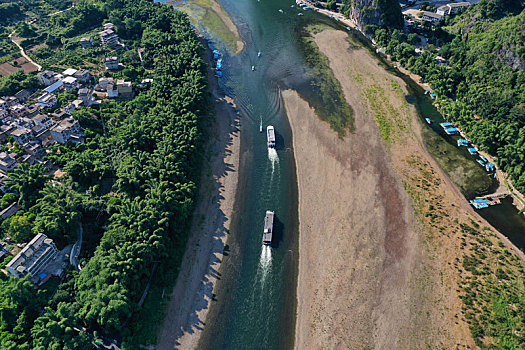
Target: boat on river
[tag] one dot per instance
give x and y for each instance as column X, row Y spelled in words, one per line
column 253, row 68
column 268, row 227
column 428, row 121
column 259, row 54
column 270, row 135
column 281, row 11
column 261, row 127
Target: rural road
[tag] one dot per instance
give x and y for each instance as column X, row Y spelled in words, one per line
column 23, row 53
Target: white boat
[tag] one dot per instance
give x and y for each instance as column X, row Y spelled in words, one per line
column 261, row 127
column 259, row 54
column 253, row 68
column 281, row 11
column 268, row 227
column 270, row 135
column 300, row 14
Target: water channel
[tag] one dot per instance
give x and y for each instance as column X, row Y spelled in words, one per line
column 255, row 297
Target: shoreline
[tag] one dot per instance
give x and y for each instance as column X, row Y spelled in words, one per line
column 192, row 294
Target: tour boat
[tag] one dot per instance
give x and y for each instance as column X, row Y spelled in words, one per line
column 268, row 227
column 270, row 134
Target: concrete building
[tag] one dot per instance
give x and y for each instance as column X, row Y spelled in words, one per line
column 34, row 257
column 111, row 91
column 22, row 136
column 452, row 8
column 124, row 88
column 47, row 100
column 48, row 77
column 86, row 43
column 43, row 121
column 67, row 130
column 7, row 161
column 11, row 210
column 18, row 111
column 23, row 95
column 84, row 95
column 108, row 26
column 111, row 62
column 3, row 104
column 431, row 17
column 70, row 83
column 82, row 75
column 108, row 38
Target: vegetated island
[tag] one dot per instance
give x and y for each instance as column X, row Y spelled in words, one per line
column 210, row 17
column 406, row 254
column 107, row 154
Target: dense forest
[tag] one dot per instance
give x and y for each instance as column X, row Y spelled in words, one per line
column 138, row 168
column 482, row 85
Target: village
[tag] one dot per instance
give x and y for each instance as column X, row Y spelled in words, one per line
column 31, row 122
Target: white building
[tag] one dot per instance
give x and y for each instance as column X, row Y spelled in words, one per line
column 452, row 8
column 47, row 100
column 34, row 257
column 68, row 129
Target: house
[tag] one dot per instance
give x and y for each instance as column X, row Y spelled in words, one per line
column 82, row 75
column 7, row 161
column 69, row 72
column 22, row 136
column 146, row 82
column 47, row 100
column 108, row 26
column 124, row 88
column 3, row 104
column 34, row 257
column 24, row 123
column 32, row 110
column 108, row 37
column 59, row 114
column 84, row 95
column 18, row 111
column 5, row 132
column 452, row 8
column 3, row 114
column 23, row 95
column 111, row 91
column 34, row 149
column 70, row 83
column 71, row 106
column 68, row 129
column 103, row 84
column 86, row 43
column 11, row 100
column 43, row 121
column 111, row 62
column 11, row 210
column 431, row 17
column 47, row 78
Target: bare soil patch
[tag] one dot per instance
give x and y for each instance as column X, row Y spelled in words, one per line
column 375, row 271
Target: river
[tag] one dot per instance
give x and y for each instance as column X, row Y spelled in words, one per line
column 255, row 298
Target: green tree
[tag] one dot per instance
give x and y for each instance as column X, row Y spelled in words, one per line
column 27, row 181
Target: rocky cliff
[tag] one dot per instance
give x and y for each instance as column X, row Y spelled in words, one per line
column 370, row 14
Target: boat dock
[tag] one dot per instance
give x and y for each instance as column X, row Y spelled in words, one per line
column 268, row 227
column 487, row 201
column 270, row 135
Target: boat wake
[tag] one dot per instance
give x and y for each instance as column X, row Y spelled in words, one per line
column 265, row 262
column 273, row 157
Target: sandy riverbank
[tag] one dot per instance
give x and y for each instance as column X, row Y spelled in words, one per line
column 193, row 292
column 373, row 270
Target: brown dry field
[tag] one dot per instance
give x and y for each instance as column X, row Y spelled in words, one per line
column 374, row 271
column 6, row 68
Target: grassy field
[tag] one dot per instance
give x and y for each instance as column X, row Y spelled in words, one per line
column 327, row 98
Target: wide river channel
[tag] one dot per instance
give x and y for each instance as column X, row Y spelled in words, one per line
column 255, row 296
